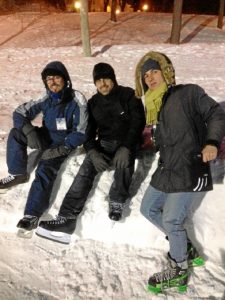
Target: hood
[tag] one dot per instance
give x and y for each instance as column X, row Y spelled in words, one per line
column 165, row 65
column 56, row 67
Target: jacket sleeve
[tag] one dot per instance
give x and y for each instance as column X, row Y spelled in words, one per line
column 91, row 132
column 27, row 112
column 137, row 121
column 78, row 134
column 213, row 116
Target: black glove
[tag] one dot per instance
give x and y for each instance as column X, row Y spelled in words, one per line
column 55, row 152
column 121, row 158
column 33, row 138
column 99, row 160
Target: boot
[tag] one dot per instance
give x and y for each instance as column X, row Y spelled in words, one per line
column 175, row 276
column 12, row 180
column 59, row 229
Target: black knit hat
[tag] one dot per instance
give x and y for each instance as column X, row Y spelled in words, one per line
column 103, row 71
column 149, row 64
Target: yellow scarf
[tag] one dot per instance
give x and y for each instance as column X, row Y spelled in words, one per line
column 153, row 102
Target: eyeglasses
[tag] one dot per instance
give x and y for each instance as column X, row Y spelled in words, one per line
column 53, row 78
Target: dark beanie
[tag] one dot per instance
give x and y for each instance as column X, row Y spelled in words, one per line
column 103, row 71
column 149, row 64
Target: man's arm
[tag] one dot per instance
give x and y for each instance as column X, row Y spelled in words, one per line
column 78, row 135
column 91, row 132
column 214, row 117
column 137, row 122
column 27, row 112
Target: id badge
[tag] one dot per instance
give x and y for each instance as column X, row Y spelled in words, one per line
column 61, row 124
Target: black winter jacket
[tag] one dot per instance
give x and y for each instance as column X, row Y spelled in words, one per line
column 118, row 116
column 189, row 119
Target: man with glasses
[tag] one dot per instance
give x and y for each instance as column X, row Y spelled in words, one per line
column 63, row 128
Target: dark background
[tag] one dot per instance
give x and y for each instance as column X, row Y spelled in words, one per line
column 189, row 6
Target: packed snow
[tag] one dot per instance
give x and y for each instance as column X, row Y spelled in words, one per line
column 106, row 260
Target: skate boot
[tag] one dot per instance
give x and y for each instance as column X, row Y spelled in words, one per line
column 115, row 210
column 194, row 259
column 12, row 180
column 176, row 276
column 59, row 229
column 26, row 226
column 28, row 222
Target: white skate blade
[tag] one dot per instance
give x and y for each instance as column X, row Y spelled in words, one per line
column 25, row 234
column 57, row 236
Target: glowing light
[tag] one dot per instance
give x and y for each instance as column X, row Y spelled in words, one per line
column 77, row 5
column 117, row 11
column 145, row 7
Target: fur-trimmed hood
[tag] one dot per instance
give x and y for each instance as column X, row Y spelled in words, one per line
column 165, row 65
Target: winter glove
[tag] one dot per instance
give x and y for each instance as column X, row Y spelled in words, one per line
column 99, row 160
column 121, row 158
column 33, row 138
column 55, row 152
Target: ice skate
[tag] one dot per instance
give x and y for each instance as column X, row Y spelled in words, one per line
column 12, row 180
column 176, row 276
column 115, row 210
column 26, row 226
column 59, row 229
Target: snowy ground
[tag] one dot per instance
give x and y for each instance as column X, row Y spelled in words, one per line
column 105, row 260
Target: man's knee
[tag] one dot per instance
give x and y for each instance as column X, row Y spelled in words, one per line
column 17, row 134
column 172, row 225
column 146, row 211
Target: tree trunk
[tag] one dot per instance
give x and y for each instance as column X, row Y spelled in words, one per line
column 105, row 4
column 177, row 21
column 122, row 4
column 84, row 24
column 113, row 11
column 220, row 15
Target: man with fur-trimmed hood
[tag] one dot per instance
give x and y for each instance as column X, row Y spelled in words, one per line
column 189, row 128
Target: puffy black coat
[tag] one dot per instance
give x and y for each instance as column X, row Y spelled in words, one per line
column 189, row 119
column 118, row 116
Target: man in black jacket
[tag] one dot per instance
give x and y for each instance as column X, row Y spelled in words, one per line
column 116, row 121
column 189, row 128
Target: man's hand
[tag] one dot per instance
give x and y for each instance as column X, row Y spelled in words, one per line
column 99, row 160
column 209, row 152
column 55, row 152
column 121, row 158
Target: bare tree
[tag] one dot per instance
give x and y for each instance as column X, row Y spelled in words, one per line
column 84, row 24
column 122, row 4
column 105, row 4
column 220, row 14
column 113, row 11
column 177, row 21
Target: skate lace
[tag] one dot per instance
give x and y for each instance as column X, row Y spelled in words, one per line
column 116, row 207
column 57, row 220
column 165, row 275
column 7, row 179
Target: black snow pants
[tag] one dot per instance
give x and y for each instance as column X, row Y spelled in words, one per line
column 76, row 197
